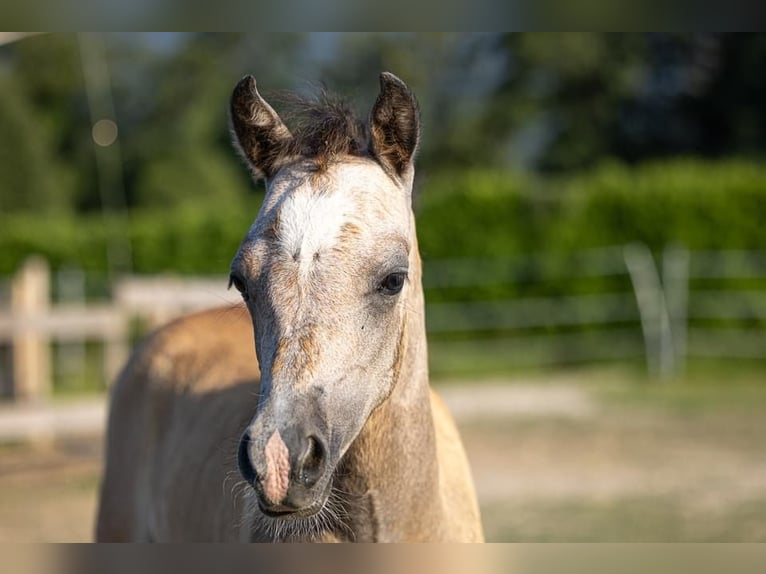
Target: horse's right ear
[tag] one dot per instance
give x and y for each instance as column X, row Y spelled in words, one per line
column 258, row 131
column 395, row 125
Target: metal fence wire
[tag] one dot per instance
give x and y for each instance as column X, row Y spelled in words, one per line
column 666, row 307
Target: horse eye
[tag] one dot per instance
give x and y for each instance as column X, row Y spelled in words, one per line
column 239, row 285
column 393, row 283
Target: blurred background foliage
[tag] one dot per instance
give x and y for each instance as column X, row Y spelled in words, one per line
column 552, row 141
column 542, row 156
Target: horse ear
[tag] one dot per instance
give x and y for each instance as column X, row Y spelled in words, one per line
column 258, row 131
column 394, row 125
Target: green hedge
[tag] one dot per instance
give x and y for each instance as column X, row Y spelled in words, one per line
column 691, row 203
column 193, row 239
column 468, row 214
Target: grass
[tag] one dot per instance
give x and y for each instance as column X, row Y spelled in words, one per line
column 680, row 461
column 705, row 389
column 652, row 461
column 630, row 518
column 48, row 491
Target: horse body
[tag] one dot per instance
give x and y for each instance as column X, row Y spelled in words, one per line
column 337, row 434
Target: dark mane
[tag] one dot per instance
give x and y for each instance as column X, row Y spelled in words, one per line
column 324, row 128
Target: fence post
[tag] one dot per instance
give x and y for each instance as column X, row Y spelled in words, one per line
column 30, row 300
column 655, row 322
column 675, row 279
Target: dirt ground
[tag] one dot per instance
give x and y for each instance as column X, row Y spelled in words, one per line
column 48, row 491
column 555, row 462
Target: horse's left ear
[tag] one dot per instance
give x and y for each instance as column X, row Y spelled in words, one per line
column 394, row 125
column 258, row 131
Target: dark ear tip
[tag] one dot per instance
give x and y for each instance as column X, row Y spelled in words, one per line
column 387, row 79
column 245, row 86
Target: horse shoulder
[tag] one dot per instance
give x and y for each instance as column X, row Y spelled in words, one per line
column 457, row 490
column 189, row 386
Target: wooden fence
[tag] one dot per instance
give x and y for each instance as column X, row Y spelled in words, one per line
column 30, row 323
column 664, row 308
column 685, row 306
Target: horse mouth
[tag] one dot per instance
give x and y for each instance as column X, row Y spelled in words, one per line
column 289, row 513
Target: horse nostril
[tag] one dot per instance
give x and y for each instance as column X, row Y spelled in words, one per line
column 312, row 462
column 244, row 461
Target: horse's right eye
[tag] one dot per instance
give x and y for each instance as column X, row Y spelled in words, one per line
column 239, row 284
column 393, row 283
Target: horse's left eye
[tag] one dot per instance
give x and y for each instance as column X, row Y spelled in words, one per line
column 393, row 283
column 239, row 285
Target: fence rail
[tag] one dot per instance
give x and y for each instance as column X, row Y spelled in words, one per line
column 531, row 312
column 665, row 309
column 682, row 304
column 30, row 322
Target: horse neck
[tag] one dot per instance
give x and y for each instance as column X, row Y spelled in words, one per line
column 392, row 466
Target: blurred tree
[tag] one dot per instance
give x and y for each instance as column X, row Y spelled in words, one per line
column 170, row 94
column 43, row 115
column 177, row 143
column 27, row 177
column 547, row 102
column 451, row 74
column 566, row 101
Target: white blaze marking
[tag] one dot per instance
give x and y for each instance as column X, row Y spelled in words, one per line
column 277, row 477
column 310, row 222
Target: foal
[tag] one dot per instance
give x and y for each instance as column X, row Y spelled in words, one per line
column 342, row 439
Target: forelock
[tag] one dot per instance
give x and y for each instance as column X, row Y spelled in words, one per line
column 325, row 128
